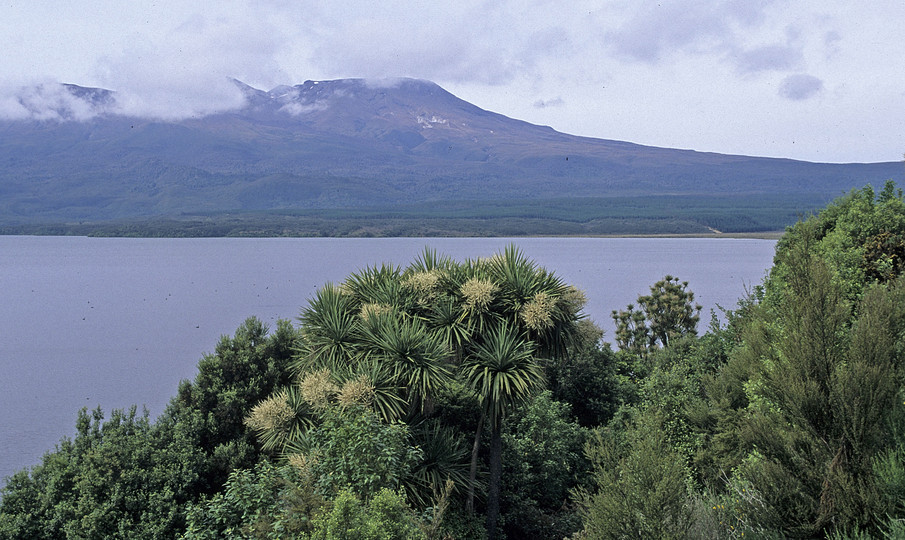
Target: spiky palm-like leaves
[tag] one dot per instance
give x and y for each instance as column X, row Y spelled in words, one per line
column 424, row 286
column 390, row 338
column 450, row 324
column 386, row 399
column 329, row 331
column 281, row 420
column 359, row 329
column 520, row 279
column 534, row 300
column 444, row 457
column 416, row 355
column 427, row 280
column 429, row 261
column 378, row 285
column 503, row 373
column 480, row 304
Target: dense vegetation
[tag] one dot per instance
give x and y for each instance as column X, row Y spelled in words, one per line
column 470, row 399
column 675, row 214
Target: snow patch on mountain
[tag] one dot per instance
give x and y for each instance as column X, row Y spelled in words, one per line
column 429, row 122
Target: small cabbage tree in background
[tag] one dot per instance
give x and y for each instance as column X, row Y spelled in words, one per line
column 664, row 315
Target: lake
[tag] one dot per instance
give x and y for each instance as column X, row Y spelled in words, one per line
column 112, row 322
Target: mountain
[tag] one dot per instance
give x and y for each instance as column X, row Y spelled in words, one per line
column 351, row 145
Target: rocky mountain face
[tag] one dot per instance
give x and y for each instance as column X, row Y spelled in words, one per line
column 345, row 143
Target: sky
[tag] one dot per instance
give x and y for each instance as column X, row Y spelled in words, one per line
column 813, row 80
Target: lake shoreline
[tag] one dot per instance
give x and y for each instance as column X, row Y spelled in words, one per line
column 761, row 235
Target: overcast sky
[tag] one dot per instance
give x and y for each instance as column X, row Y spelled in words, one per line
column 815, row 80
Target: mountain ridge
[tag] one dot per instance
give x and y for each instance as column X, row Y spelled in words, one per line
column 348, row 143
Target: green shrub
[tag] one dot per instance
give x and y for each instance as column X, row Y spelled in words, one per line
column 641, row 485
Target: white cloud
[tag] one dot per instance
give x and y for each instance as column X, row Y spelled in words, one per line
column 50, row 101
column 187, row 70
column 299, row 109
column 386, row 82
column 10, row 108
column 687, row 73
column 654, row 31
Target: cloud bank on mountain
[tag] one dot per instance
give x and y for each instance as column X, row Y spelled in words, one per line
column 725, row 75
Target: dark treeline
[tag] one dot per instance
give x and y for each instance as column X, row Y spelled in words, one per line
column 471, row 399
column 677, row 214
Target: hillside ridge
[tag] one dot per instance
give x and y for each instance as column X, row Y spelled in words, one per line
column 348, row 143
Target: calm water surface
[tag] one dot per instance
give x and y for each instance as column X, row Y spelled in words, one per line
column 111, row 322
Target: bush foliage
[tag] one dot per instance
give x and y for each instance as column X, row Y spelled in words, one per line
column 409, row 402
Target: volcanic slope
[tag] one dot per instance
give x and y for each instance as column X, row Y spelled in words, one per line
column 352, row 144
